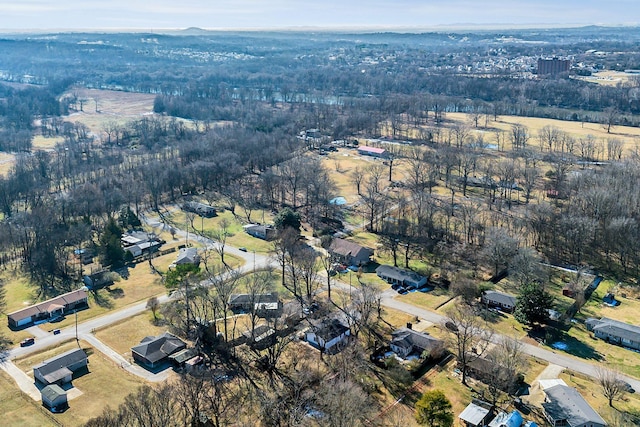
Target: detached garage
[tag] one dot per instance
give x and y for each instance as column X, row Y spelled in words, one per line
column 54, row 398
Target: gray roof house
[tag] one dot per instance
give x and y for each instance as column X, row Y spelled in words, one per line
column 54, row 398
column 504, row 301
column 349, row 253
column 187, row 256
column 153, row 351
column 264, row 232
column 60, row 369
column 399, row 276
column 564, row 406
column 406, row 341
column 614, row 331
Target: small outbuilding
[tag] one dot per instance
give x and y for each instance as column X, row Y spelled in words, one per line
column 476, row 414
column 54, row 398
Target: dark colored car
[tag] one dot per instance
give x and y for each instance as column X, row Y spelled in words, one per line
column 27, row 342
column 242, row 249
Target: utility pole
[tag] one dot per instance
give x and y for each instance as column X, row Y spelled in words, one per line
column 77, row 340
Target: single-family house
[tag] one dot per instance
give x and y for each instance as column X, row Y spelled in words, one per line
column 54, row 398
column 372, row 151
column 327, row 334
column 564, row 406
column 485, row 369
column 501, row 300
column 60, row 369
column 49, row 309
column 98, row 280
column 400, row 276
column 406, row 341
column 349, row 253
column 478, row 413
column 140, row 243
column 264, row 232
column 265, row 305
column 153, row 351
column 187, row 256
column 614, row 331
column 201, row 209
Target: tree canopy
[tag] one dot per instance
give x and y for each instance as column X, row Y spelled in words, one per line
column 533, row 304
column 434, row 410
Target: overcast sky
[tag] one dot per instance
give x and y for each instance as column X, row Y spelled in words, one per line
column 216, row 14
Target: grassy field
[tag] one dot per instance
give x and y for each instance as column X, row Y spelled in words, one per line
column 104, row 384
column 18, row 409
column 236, row 234
column 126, row 334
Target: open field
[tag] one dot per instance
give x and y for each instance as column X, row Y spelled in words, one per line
column 104, row 384
column 128, row 333
column 18, row 409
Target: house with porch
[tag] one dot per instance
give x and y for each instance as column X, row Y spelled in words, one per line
column 400, row 276
column 153, row 351
column 49, row 309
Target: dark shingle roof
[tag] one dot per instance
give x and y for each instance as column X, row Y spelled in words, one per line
column 159, row 347
column 330, row 329
column 565, row 403
column 500, row 297
column 398, row 274
column 405, row 337
column 57, row 368
column 237, row 299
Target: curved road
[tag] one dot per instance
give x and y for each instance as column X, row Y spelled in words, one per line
column 85, row 329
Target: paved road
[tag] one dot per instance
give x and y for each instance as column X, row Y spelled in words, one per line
column 564, row 360
column 85, row 329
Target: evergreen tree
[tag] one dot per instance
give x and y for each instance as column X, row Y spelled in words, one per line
column 533, row 304
column 110, row 248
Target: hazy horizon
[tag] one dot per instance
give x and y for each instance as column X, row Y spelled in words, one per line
column 78, row 15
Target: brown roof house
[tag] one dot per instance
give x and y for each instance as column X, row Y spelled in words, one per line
column 153, row 351
column 60, row 369
column 50, row 309
column 406, row 342
column 349, row 253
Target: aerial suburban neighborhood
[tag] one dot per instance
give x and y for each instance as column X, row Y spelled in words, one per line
column 332, row 228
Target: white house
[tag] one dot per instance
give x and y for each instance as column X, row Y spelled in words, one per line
column 327, row 334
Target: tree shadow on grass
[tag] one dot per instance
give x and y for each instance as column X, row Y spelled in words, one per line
column 102, row 300
column 560, row 340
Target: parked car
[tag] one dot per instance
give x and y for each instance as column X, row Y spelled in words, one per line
column 627, row 387
column 27, row 342
column 243, row 249
column 56, row 331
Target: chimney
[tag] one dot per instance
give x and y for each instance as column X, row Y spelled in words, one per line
column 409, row 325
